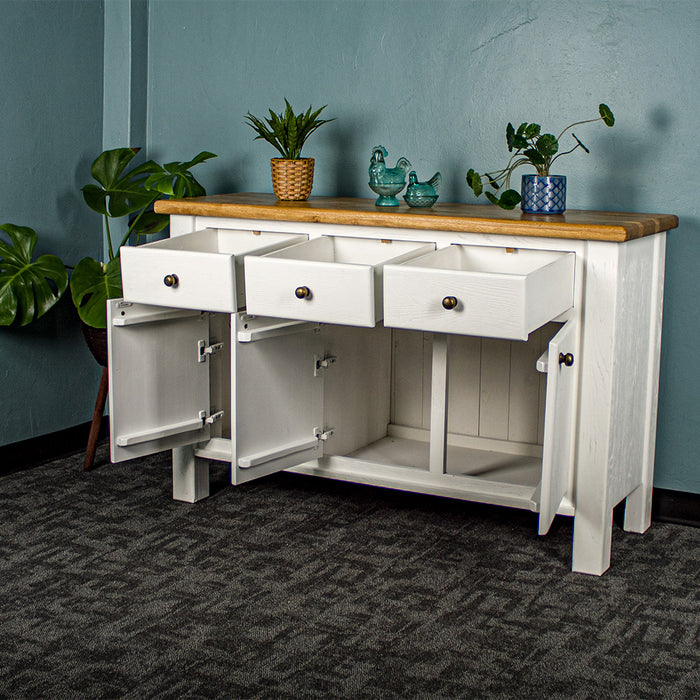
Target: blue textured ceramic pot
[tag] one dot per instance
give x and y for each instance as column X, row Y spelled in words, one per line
column 543, row 194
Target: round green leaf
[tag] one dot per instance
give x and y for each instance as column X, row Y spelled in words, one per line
column 547, row 145
column 509, row 199
column 606, row 114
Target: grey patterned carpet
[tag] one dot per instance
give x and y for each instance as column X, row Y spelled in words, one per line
column 293, row 587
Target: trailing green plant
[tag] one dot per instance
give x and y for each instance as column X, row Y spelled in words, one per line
column 287, row 131
column 531, row 148
column 119, row 193
column 28, row 287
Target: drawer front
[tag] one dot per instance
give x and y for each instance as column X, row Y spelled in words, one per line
column 492, row 297
column 202, row 270
column 337, row 293
column 329, row 279
column 202, row 280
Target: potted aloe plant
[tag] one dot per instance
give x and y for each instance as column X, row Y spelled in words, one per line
column 542, row 193
column 292, row 175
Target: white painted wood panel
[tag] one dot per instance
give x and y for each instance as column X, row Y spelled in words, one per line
column 410, row 384
column 524, row 389
column 494, row 399
column 278, row 402
column 508, row 388
column 560, row 423
column 158, row 388
column 439, row 404
column 363, row 362
column 465, row 379
column 638, row 503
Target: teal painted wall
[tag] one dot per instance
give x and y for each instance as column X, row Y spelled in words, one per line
column 437, row 82
column 50, row 130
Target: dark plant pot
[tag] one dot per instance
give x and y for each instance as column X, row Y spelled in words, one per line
column 543, row 194
column 96, row 339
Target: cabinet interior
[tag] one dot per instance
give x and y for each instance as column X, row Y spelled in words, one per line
column 495, row 399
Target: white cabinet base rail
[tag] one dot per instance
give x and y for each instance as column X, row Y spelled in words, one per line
column 461, row 351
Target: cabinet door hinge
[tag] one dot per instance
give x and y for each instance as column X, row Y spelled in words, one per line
column 323, row 433
column 212, row 418
column 321, row 363
column 204, row 350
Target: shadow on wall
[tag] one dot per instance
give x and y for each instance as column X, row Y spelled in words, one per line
column 350, row 153
column 625, row 164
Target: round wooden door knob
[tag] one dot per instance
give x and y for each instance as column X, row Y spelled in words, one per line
column 170, row 280
column 449, row 303
column 302, row 292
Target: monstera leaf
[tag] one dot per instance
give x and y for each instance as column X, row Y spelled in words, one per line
column 91, row 284
column 28, row 288
column 118, row 193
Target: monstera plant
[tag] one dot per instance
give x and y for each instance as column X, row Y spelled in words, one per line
column 125, row 193
column 28, row 287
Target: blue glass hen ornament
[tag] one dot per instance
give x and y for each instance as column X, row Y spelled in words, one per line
column 387, row 182
column 422, row 194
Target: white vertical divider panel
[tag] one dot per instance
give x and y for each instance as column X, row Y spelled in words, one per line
column 438, row 403
column 638, row 504
column 495, row 383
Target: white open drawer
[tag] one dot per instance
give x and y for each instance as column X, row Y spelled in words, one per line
column 201, row 270
column 330, row 279
column 479, row 290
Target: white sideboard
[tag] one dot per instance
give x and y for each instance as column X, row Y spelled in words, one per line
column 460, row 351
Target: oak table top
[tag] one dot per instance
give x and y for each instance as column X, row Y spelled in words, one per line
column 463, row 218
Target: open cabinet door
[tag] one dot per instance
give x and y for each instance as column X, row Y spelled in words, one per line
column 559, row 423
column 277, row 395
column 158, row 378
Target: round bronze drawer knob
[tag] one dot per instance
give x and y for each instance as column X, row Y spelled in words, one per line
column 170, row 280
column 449, row 303
column 302, row 293
column 567, row 359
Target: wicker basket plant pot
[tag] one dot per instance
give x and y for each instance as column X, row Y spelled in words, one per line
column 292, row 180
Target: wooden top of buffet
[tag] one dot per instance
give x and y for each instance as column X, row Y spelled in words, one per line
column 465, row 218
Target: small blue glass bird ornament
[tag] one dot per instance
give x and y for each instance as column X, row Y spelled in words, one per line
column 386, row 182
column 422, row 194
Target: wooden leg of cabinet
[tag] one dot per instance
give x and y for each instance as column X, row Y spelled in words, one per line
column 190, row 476
column 638, row 509
column 592, row 539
